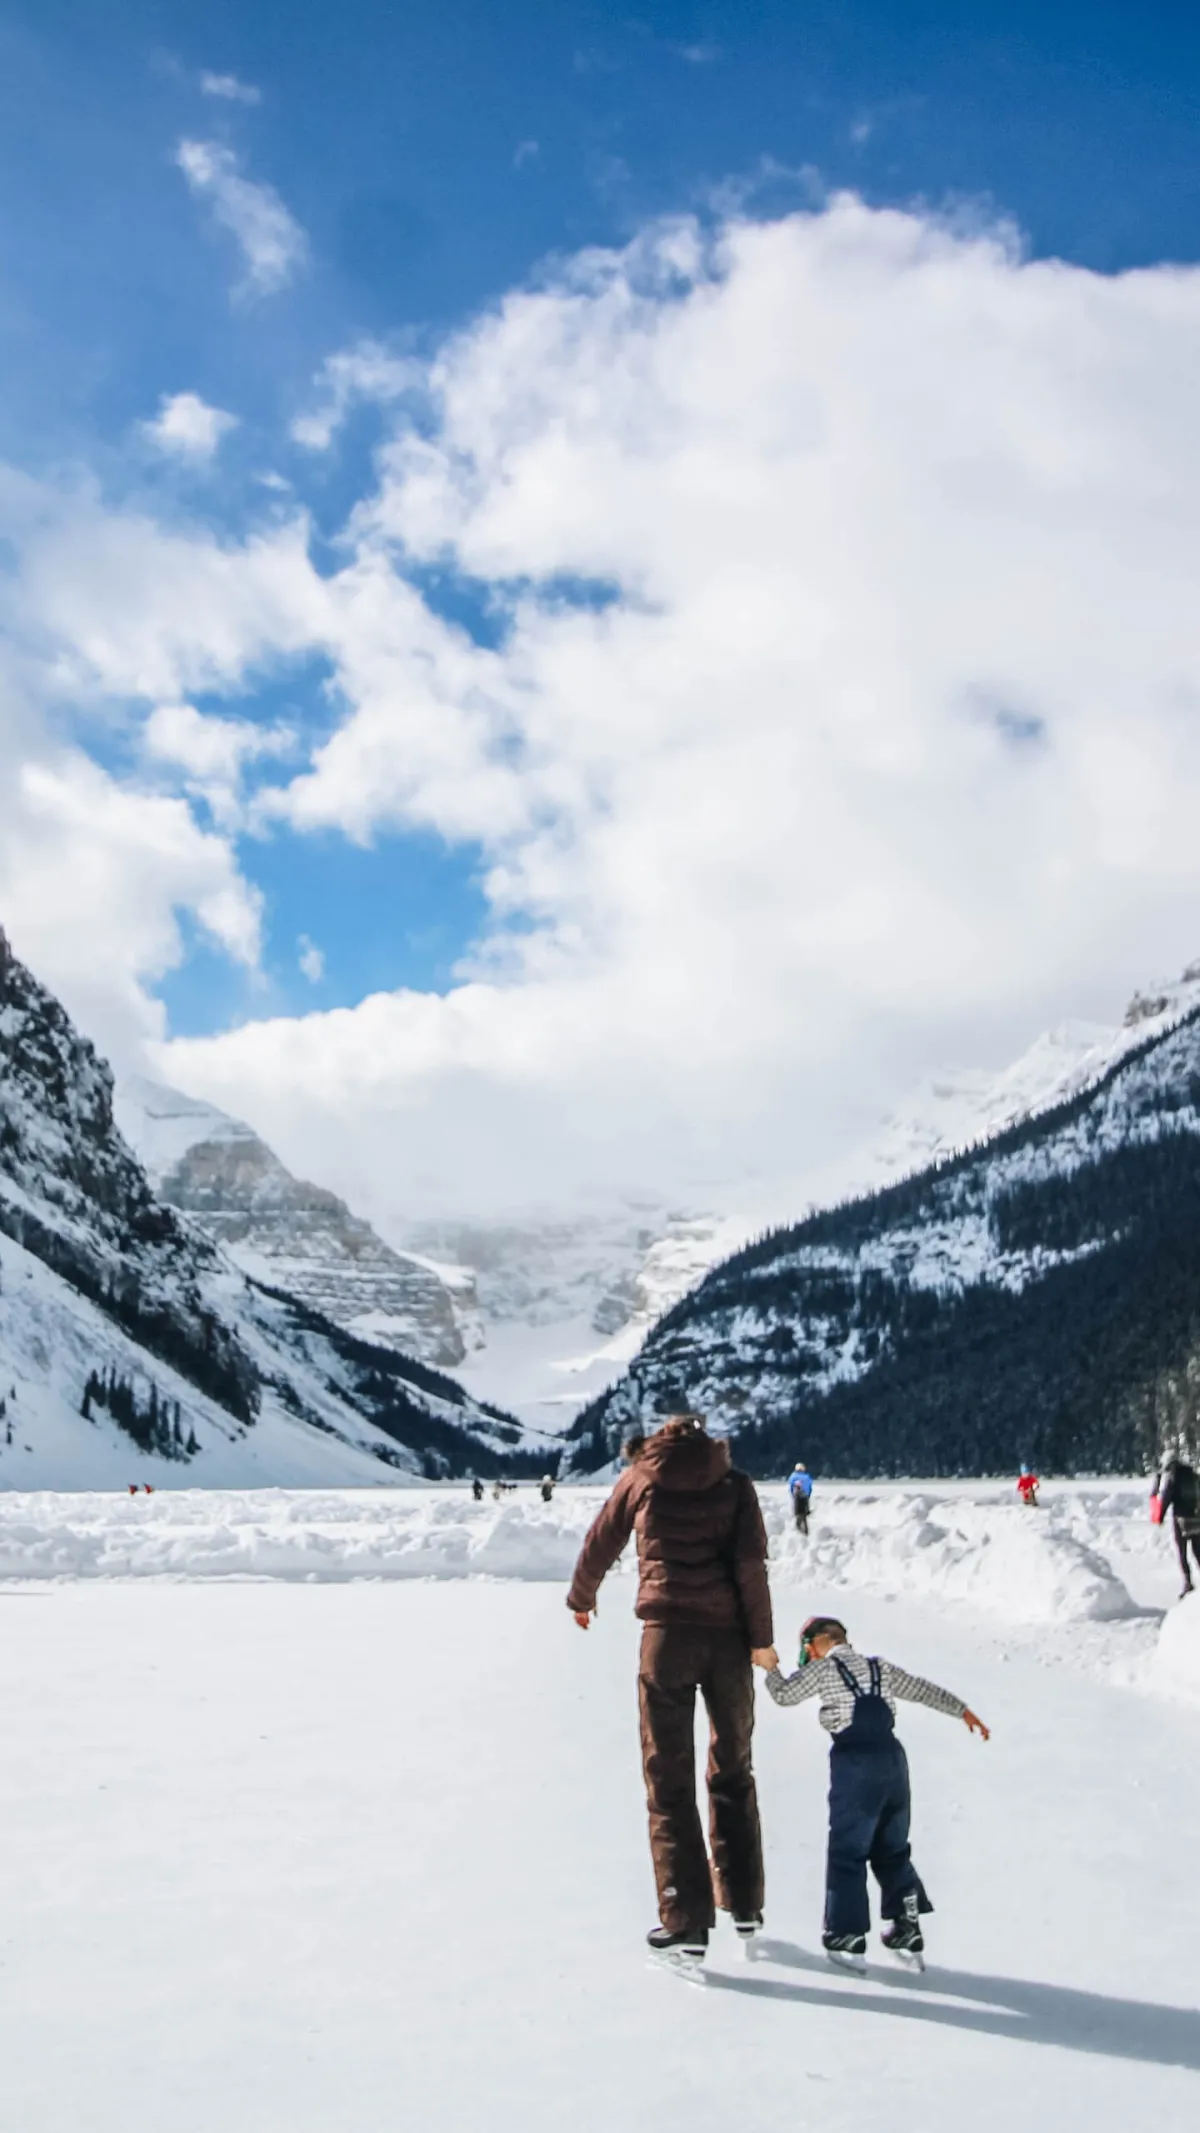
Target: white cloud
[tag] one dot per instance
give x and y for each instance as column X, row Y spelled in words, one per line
column 272, row 242
column 93, row 876
column 186, row 425
column 366, row 372
column 875, row 743
column 311, row 960
column 125, row 608
column 525, row 152
column 212, row 753
column 229, row 89
column 848, row 477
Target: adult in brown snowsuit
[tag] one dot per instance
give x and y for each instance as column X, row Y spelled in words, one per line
column 703, row 1597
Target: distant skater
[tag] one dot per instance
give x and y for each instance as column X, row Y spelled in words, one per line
column 1177, row 1490
column 477, row 1488
column 1027, row 1488
column 706, row 1607
column 800, row 1489
column 547, row 1486
column 869, row 1798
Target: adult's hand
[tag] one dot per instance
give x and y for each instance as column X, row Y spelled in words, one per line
column 583, row 1618
column 976, row 1725
column 766, row 1656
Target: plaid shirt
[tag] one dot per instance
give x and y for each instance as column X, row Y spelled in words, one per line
column 822, row 1678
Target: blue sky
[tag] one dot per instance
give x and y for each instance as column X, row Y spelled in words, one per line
column 434, row 155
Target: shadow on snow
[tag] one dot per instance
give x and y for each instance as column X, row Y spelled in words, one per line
column 1032, row 2013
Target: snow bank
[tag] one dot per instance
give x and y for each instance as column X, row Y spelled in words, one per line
column 1175, row 1665
column 1012, row 1565
column 1003, row 1561
column 325, row 1536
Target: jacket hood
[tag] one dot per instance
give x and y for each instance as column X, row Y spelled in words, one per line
column 687, row 1460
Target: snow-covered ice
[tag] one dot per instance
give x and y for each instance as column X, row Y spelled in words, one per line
column 318, row 1845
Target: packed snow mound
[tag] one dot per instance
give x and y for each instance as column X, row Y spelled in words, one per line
column 1011, row 1565
column 1175, row 1666
column 319, row 1536
column 998, row 1559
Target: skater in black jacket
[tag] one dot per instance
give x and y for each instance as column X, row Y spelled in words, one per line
column 1178, row 1491
column 869, row 1801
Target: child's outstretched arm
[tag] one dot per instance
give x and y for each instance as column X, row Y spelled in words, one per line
column 913, row 1688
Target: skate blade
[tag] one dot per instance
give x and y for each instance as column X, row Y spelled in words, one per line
column 689, row 1968
column 852, row 1965
column 908, row 1959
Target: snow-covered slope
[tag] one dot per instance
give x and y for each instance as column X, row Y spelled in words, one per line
column 541, row 1314
column 535, row 1314
column 557, row 1306
column 132, row 1347
column 564, row 1307
column 1038, row 1296
column 284, row 1231
column 957, row 1110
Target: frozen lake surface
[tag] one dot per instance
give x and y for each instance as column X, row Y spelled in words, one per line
column 311, row 1852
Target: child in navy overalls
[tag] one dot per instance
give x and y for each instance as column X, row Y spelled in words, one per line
column 869, row 1800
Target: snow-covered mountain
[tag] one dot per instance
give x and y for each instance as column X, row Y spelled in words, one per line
column 1036, row 1296
column 957, row 1110
column 286, row 1232
column 132, row 1347
column 559, row 1305
column 535, row 1314
column 541, row 1314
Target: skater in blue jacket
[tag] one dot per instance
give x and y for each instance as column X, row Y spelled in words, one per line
column 800, row 1491
column 869, row 1800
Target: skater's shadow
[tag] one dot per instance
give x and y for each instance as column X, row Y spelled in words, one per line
column 995, row 2006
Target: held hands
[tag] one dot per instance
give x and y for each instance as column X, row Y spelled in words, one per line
column 766, row 1656
column 976, row 1725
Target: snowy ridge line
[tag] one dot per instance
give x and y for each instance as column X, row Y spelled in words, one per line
column 1004, row 1144
column 1148, row 1034
column 993, row 1558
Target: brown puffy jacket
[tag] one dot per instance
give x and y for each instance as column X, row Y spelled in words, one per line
column 702, row 1547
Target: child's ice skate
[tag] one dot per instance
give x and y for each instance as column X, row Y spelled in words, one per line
column 904, row 1937
column 846, row 1951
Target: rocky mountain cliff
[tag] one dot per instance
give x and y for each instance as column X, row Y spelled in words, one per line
column 1037, row 1296
column 129, row 1338
column 286, row 1232
column 535, row 1313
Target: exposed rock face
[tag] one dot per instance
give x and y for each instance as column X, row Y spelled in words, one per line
column 284, row 1231
column 127, row 1333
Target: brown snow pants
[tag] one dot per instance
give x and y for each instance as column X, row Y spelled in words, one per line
column 676, row 1661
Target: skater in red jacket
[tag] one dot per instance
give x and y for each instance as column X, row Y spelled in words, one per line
column 1027, row 1488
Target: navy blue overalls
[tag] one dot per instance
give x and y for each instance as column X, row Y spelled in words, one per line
column 868, row 1813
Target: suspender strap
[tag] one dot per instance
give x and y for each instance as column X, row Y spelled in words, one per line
column 855, row 1687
